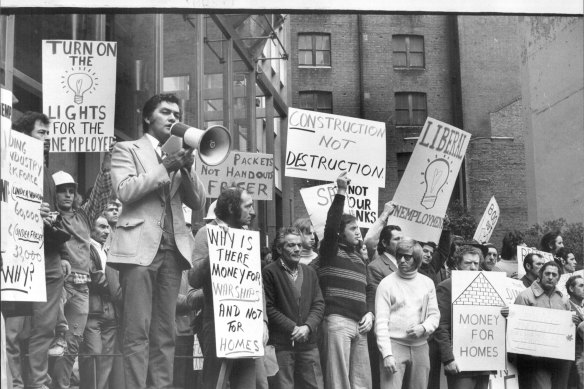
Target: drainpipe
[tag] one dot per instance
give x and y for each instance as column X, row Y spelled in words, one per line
column 360, row 54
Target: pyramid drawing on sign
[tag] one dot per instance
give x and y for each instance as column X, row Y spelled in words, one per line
column 480, row 292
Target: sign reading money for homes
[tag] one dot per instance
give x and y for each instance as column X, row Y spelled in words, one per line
column 322, row 146
column 234, row 257
column 425, row 188
column 478, row 329
column 79, row 94
column 23, row 269
column 360, row 202
column 252, row 172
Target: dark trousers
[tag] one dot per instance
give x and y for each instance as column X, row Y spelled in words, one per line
column 184, row 374
column 298, row 369
column 374, row 357
column 542, row 373
column 99, row 338
column 435, row 364
column 150, row 294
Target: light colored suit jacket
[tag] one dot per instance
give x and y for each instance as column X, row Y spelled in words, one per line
column 139, row 180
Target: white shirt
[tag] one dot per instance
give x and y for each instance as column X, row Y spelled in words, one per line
column 101, row 251
column 155, row 144
column 391, row 258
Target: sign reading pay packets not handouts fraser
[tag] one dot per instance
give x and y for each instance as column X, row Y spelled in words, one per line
column 322, row 146
column 425, row 188
column 234, row 258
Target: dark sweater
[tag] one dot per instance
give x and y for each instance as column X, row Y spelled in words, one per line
column 342, row 273
column 286, row 311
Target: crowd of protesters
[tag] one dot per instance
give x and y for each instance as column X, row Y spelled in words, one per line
column 129, row 287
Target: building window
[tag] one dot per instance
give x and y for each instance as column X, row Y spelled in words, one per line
column 314, row 49
column 408, row 51
column 317, row 101
column 410, row 109
column 402, row 163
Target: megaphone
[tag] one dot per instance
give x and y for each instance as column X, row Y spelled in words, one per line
column 214, row 143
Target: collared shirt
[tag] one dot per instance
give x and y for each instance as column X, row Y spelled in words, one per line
column 535, row 296
column 293, row 273
column 579, row 309
column 391, row 258
column 101, row 252
column 155, row 144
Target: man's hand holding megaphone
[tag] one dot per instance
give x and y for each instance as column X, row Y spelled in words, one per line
column 179, row 159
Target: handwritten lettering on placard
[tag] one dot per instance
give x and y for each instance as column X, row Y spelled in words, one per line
column 234, row 258
column 23, row 277
column 252, row 172
column 79, row 81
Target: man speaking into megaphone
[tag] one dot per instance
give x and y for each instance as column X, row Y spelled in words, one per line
column 152, row 245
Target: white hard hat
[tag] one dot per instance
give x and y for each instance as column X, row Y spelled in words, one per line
column 63, row 178
column 211, row 212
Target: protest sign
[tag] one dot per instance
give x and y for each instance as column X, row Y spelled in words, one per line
column 488, row 222
column 322, row 146
column 5, row 132
column 253, row 172
column 512, row 289
column 79, row 94
column 478, row 329
column 522, row 251
column 541, row 332
column 425, row 188
column 234, row 258
column 360, row 202
column 505, row 379
column 23, row 271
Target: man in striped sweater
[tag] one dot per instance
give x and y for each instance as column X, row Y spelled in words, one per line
column 348, row 313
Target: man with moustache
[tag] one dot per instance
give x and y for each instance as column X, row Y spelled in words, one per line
column 234, row 209
column 295, row 309
column 532, row 263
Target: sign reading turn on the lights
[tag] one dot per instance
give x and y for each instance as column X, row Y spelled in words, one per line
column 79, row 94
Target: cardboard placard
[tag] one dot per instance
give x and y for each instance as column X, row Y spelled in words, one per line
column 79, row 94
column 512, row 289
column 478, row 329
column 426, row 186
column 23, row 271
column 5, row 134
column 360, row 202
column 253, row 172
column 541, row 332
column 234, row 258
column 488, row 222
column 322, row 146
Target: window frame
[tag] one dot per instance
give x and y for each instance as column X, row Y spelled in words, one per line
column 408, row 51
column 314, row 50
column 315, row 94
column 411, row 109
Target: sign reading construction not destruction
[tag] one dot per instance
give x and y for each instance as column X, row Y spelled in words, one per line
column 322, row 146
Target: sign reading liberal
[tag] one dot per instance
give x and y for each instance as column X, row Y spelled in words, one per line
column 322, row 146
column 488, row 222
column 234, row 258
column 79, row 94
column 425, row 188
column 23, row 270
column 252, row 172
column 360, row 202
column 478, row 329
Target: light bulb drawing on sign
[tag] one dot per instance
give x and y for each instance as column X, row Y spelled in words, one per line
column 435, row 177
column 79, row 82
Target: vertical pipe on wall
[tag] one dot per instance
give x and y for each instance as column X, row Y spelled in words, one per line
column 9, row 52
column 159, row 51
